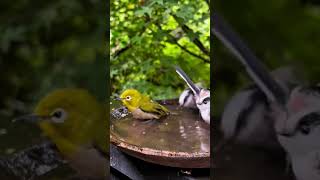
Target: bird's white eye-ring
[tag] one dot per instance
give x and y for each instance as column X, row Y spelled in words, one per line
column 59, row 115
column 128, row 98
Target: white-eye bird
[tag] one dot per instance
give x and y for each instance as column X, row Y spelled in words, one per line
column 141, row 106
column 78, row 125
column 201, row 96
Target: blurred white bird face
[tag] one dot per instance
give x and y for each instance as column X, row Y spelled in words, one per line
column 305, row 137
column 302, row 124
column 203, row 104
column 203, row 99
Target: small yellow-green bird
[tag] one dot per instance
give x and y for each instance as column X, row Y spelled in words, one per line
column 141, row 106
column 77, row 124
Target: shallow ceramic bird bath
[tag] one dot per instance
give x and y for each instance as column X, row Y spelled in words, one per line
column 180, row 140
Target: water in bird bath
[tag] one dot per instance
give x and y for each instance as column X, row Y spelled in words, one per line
column 181, row 131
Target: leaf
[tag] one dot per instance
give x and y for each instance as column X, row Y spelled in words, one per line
column 144, row 10
column 160, row 2
column 136, row 39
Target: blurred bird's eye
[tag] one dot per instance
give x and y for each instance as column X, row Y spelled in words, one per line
column 128, row 98
column 206, row 100
column 58, row 115
column 305, row 129
column 308, row 121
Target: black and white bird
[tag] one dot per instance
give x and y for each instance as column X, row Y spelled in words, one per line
column 299, row 131
column 200, row 97
column 187, row 99
column 248, row 117
column 294, row 112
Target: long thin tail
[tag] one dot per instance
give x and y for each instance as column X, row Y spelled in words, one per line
column 256, row 70
column 184, row 76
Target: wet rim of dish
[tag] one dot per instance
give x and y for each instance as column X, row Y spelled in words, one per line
column 154, row 152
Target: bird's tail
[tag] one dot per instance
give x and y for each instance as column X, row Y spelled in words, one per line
column 255, row 68
column 183, row 75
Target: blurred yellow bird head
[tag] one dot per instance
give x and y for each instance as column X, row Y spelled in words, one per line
column 131, row 98
column 71, row 118
column 77, row 124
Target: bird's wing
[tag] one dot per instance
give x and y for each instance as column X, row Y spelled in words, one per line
column 153, row 107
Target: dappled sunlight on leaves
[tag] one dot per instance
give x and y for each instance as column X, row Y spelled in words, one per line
column 146, row 42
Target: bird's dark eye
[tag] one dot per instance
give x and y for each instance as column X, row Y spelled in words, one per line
column 58, row 115
column 128, row 98
column 305, row 129
column 206, row 100
column 307, row 122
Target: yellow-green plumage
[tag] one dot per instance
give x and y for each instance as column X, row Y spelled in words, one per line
column 82, row 130
column 141, row 106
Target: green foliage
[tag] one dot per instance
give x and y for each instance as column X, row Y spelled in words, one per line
column 45, row 45
column 281, row 33
column 147, row 39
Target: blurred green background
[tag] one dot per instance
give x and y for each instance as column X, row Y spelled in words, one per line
column 148, row 37
column 280, row 32
column 45, row 45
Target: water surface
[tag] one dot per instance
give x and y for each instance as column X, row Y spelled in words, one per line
column 181, row 131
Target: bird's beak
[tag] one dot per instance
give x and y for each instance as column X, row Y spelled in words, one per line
column 31, row 118
column 285, row 134
column 285, row 131
column 118, row 99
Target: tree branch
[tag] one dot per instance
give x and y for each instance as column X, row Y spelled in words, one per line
column 193, row 54
column 122, row 50
column 130, row 45
column 194, row 39
column 175, row 40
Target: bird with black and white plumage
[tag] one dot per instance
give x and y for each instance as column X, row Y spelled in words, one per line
column 299, row 131
column 248, row 118
column 195, row 96
column 295, row 113
column 187, row 98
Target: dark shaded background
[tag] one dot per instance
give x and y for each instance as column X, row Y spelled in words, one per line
column 280, row 32
column 45, row 45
